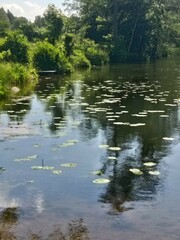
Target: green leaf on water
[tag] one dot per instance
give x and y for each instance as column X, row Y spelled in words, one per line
column 136, row 171
column 137, row 124
column 68, row 144
column 101, row 180
column 112, row 158
column 55, row 171
column 149, row 164
column 103, row 146
column 114, row 148
column 168, row 139
column 28, row 158
column 72, row 141
column 96, row 172
column 70, row 165
column 154, row 172
column 49, row 168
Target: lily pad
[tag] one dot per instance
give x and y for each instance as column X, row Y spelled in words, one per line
column 112, row 158
column 136, row 171
column 149, row 164
column 101, row 180
column 70, row 165
column 154, row 173
column 168, row 138
column 72, row 141
column 103, row 146
column 96, row 172
column 55, row 171
column 28, row 158
column 137, row 124
column 68, row 144
column 49, row 168
column 114, row 148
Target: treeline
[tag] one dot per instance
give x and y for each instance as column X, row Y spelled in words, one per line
column 47, row 43
column 130, row 30
column 94, row 32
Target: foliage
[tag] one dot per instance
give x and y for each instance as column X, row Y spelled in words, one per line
column 93, row 52
column 53, row 22
column 45, row 56
column 79, row 59
column 130, row 30
column 14, row 74
column 24, row 26
column 17, row 44
column 68, row 43
column 4, row 23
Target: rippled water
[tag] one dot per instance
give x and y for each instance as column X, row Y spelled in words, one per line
column 105, row 123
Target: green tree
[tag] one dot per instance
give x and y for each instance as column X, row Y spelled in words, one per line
column 4, row 23
column 17, row 45
column 53, row 19
column 24, row 26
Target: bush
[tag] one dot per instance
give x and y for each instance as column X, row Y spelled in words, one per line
column 17, row 45
column 79, row 60
column 45, row 56
column 15, row 74
column 93, row 52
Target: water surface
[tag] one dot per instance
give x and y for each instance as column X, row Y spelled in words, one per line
column 105, row 122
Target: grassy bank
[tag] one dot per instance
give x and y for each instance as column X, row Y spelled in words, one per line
column 15, row 75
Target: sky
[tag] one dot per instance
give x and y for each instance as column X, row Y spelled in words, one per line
column 29, row 8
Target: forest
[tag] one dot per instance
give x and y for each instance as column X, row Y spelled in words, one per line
column 89, row 33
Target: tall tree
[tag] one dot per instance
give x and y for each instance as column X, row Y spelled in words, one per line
column 53, row 19
column 4, row 22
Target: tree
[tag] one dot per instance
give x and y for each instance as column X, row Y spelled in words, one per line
column 53, row 19
column 4, row 22
column 17, row 45
column 25, row 26
column 10, row 16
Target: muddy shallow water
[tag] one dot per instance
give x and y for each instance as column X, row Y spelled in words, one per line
column 119, row 124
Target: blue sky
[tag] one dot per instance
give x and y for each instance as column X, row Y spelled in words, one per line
column 29, row 8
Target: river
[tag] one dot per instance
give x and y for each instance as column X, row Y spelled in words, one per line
column 94, row 155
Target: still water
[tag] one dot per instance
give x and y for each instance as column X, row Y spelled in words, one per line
column 119, row 124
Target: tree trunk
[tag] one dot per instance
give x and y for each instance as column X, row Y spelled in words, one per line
column 132, row 35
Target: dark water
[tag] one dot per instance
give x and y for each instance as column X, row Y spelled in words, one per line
column 70, row 120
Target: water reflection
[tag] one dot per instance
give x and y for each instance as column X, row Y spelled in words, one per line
column 132, row 107
column 111, row 100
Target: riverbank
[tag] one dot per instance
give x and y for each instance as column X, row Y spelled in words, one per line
column 15, row 76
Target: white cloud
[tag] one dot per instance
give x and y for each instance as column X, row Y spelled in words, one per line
column 28, row 9
column 14, row 8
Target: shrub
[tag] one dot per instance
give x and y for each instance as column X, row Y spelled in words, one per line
column 45, row 56
column 93, row 52
column 79, row 60
column 17, row 44
column 15, row 74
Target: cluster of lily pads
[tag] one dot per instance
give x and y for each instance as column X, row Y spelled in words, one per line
column 149, row 169
column 109, row 104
